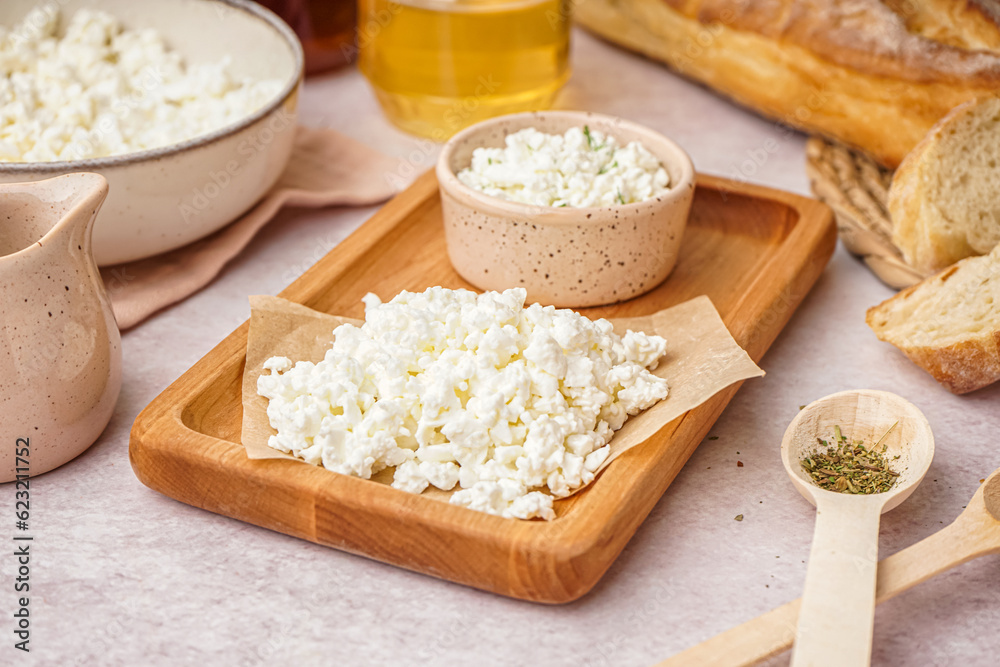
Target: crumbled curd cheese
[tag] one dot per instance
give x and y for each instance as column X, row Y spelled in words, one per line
column 578, row 169
column 515, row 405
column 101, row 90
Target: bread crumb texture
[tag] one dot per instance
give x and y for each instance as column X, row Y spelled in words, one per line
column 949, row 324
column 942, row 199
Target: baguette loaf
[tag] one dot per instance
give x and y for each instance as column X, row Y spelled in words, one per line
column 875, row 75
column 949, row 324
column 943, row 199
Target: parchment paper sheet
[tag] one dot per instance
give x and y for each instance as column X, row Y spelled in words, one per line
column 702, row 359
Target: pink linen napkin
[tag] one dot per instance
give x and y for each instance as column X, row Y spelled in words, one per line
column 326, row 169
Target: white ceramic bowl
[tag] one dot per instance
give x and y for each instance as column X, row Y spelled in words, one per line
column 165, row 198
column 569, row 257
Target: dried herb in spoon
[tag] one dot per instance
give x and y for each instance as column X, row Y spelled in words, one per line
column 848, row 467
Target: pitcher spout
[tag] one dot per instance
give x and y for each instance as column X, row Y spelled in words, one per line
column 53, row 212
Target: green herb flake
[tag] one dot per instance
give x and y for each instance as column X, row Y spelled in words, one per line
column 739, row 517
column 594, row 146
column 620, row 198
column 850, row 467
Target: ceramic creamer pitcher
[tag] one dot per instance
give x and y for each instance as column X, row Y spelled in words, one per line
column 60, row 350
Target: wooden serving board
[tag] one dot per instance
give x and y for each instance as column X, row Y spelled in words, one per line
column 754, row 251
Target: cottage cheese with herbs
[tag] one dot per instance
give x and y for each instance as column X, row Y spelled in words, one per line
column 580, row 169
column 513, row 405
column 101, row 90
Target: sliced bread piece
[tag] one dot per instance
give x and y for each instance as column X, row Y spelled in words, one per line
column 949, row 324
column 944, row 200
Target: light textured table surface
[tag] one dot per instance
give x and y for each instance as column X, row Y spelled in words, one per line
column 125, row 576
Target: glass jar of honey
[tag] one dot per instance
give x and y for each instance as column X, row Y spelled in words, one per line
column 438, row 66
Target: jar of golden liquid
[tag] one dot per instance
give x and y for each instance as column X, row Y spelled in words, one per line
column 438, row 66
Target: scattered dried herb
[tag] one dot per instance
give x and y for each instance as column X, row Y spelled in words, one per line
column 850, row 467
column 739, row 517
column 713, row 437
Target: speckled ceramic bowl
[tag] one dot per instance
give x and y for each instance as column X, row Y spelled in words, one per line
column 167, row 197
column 569, row 257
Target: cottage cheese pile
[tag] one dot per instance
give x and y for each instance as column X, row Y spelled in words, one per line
column 455, row 388
column 102, row 90
column 578, row 169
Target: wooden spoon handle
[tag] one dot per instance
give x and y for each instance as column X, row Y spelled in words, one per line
column 838, row 601
column 969, row 536
column 771, row 633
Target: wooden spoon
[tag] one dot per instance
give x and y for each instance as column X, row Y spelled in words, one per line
column 975, row 533
column 838, row 605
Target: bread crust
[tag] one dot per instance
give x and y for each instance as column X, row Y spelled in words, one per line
column 967, row 24
column 849, row 69
column 965, row 366
column 961, row 368
column 864, row 35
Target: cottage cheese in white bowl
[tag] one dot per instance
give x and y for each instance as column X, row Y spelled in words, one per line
column 187, row 107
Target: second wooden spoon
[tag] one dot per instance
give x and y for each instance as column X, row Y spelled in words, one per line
column 975, row 533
